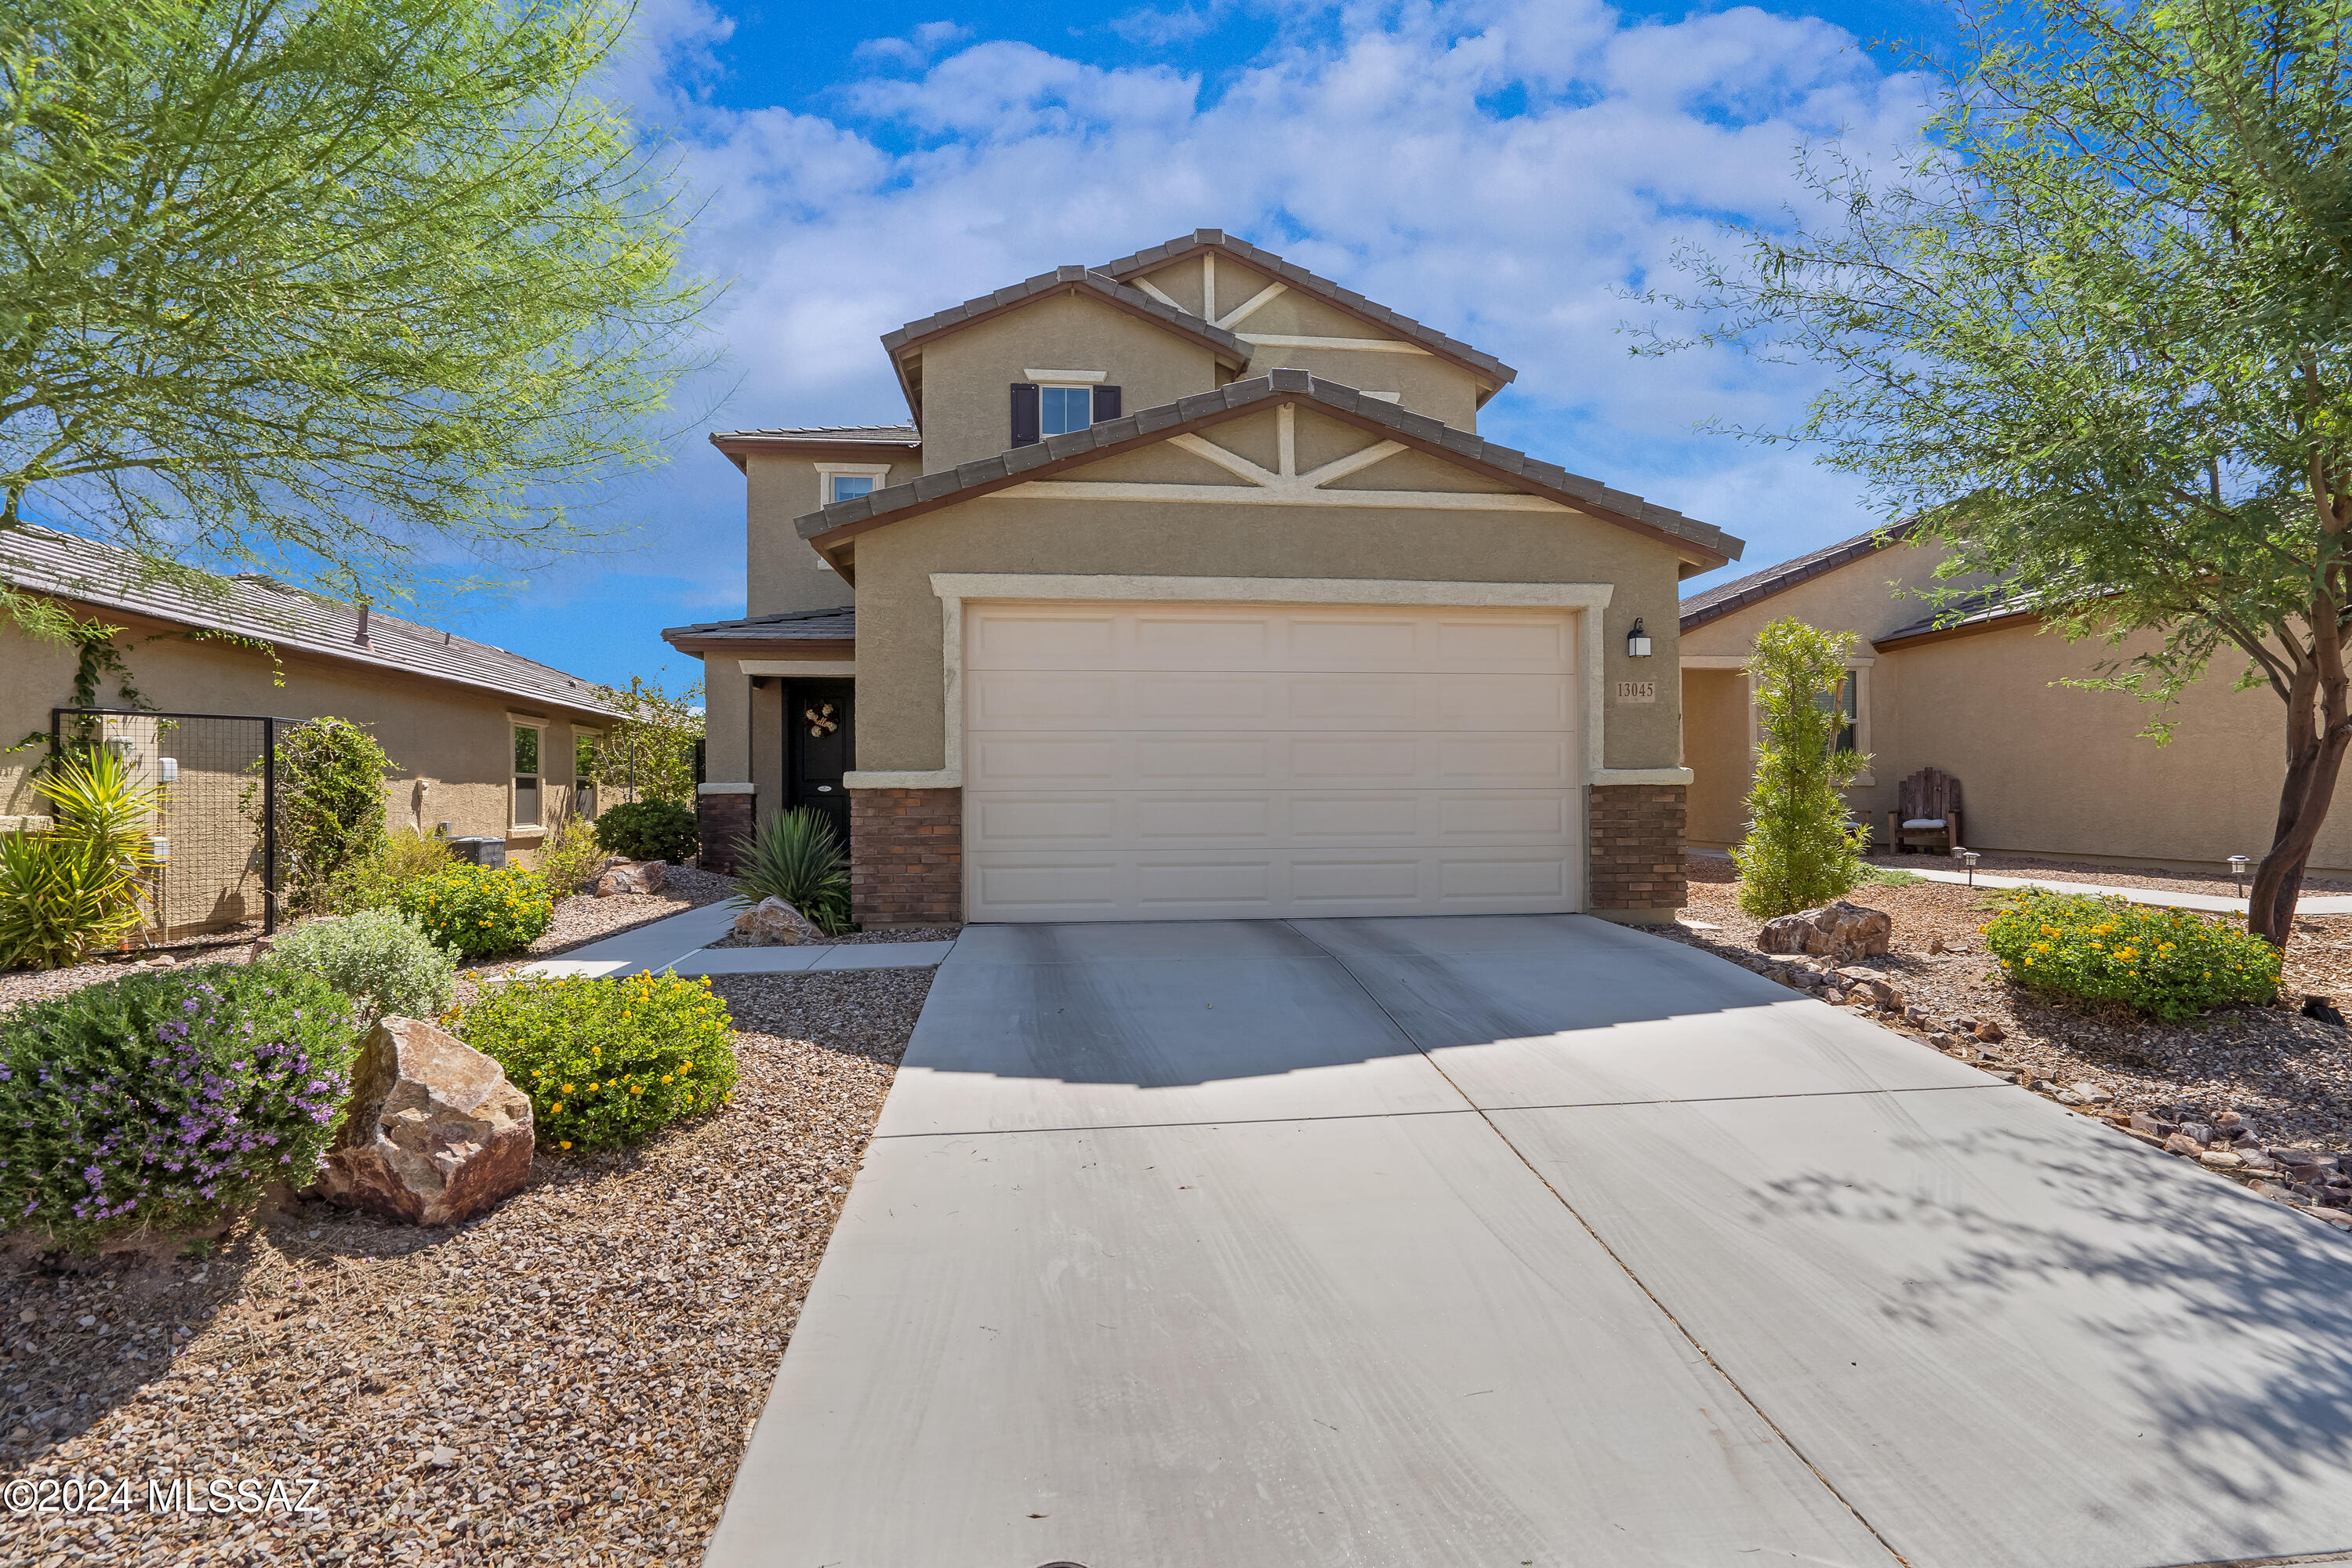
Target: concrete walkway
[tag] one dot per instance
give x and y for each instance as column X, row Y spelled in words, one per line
column 1520, row 1241
column 2309, row 904
column 682, row 943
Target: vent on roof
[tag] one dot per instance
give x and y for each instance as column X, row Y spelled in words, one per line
column 362, row 636
column 264, row 580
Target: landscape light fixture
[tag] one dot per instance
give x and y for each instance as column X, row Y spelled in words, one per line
column 1637, row 641
column 2237, row 873
column 1968, row 858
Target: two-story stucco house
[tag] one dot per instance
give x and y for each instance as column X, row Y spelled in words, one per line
column 1190, row 591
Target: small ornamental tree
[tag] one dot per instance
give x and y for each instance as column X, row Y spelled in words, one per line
column 333, row 774
column 649, row 752
column 1801, row 849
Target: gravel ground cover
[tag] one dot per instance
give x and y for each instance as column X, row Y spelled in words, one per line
column 2285, row 1078
column 866, row 938
column 569, row 1380
column 579, row 920
column 2154, row 878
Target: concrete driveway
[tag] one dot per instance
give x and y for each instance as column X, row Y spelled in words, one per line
column 1520, row 1241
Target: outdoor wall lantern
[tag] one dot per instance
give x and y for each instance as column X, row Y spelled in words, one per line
column 1968, row 858
column 2237, row 873
column 1637, row 641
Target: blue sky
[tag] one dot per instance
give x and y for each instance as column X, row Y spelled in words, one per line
column 1503, row 168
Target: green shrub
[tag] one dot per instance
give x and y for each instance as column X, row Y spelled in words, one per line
column 607, row 1061
column 60, row 899
column 794, row 856
column 1800, row 850
column 167, row 1100
column 567, row 855
column 76, row 888
column 479, row 911
column 374, row 880
column 384, row 960
column 331, row 804
column 1890, row 877
column 2168, row 964
column 648, row 830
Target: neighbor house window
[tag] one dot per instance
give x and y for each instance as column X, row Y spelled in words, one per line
column 583, row 771
column 847, row 482
column 528, row 781
column 1846, row 702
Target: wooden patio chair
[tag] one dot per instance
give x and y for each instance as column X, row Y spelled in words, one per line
column 1927, row 811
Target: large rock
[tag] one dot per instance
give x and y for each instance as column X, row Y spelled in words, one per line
column 630, row 877
column 1840, row 931
column 771, row 922
column 434, row 1134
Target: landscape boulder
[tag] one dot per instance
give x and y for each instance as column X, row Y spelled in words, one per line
column 630, row 877
column 1840, row 931
column 771, row 922
column 434, row 1133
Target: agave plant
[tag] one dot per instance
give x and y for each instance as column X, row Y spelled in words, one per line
column 61, row 897
column 794, row 856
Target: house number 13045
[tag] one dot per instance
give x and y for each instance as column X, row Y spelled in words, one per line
column 1637, row 691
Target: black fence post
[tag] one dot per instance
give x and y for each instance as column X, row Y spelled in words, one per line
column 268, row 826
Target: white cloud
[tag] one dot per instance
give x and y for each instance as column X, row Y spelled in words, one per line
column 1367, row 148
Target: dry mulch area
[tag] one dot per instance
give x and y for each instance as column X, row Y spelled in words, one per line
column 569, row 1380
column 2286, row 1076
column 867, row 938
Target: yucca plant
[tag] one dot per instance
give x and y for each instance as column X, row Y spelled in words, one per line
column 59, row 898
column 794, row 856
column 96, row 798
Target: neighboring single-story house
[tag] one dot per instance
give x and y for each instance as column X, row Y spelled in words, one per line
column 1191, row 592
column 1975, row 688
column 482, row 742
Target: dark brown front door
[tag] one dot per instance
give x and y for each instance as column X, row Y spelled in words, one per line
column 820, row 746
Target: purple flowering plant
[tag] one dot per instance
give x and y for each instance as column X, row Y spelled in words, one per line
column 167, row 1100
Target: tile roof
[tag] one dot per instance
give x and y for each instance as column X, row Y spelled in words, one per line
column 1133, row 299
column 791, row 625
column 1299, row 278
column 1012, row 467
column 1981, row 608
column 829, row 435
column 1719, row 600
column 251, row 606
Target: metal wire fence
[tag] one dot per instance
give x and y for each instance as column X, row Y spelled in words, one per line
column 217, row 821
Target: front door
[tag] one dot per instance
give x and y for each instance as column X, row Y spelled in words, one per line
column 820, row 746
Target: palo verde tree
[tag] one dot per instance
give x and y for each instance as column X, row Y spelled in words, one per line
column 335, row 282
column 1801, row 849
column 2098, row 335
column 649, row 753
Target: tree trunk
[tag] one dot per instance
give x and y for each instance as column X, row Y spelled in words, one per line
column 2318, row 731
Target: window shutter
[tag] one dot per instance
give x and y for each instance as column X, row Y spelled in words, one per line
column 1106, row 403
column 1026, row 422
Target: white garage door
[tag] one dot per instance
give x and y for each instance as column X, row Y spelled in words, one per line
column 1214, row 762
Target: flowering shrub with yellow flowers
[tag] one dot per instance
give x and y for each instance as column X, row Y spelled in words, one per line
column 607, row 1061
column 480, row 910
column 2168, row 963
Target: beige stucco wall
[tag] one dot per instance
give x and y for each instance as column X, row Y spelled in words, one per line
column 782, row 571
column 450, row 745
column 900, row 715
column 2055, row 769
column 1715, row 749
column 967, row 406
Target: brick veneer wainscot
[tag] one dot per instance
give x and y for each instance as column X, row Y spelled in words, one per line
column 1635, row 834
column 721, row 820
column 905, row 856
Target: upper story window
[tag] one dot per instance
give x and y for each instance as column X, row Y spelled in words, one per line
column 1061, row 409
column 1054, row 403
column 845, row 481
